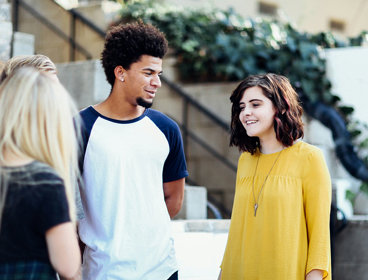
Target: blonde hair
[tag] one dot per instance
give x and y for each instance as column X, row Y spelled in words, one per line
column 36, row 120
column 39, row 61
column 2, row 64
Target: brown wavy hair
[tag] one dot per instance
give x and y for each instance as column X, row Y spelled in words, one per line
column 288, row 124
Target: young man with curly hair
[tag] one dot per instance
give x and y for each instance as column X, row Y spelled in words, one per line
column 133, row 165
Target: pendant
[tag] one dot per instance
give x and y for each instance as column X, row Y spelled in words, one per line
column 255, row 209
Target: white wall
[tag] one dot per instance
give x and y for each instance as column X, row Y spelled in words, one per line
column 347, row 70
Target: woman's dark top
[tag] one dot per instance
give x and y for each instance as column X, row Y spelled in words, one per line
column 35, row 202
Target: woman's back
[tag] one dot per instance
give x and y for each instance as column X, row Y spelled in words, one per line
column 38, row 168
column 35, row 202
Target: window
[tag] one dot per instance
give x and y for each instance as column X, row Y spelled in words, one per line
column 267, row 9
column 337, row 25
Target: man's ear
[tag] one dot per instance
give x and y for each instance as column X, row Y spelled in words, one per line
column 119, row 72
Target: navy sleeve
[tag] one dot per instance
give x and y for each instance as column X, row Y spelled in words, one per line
column 88, row 117
column 175, row 166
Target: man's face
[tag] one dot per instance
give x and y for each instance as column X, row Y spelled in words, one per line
column 142, row 80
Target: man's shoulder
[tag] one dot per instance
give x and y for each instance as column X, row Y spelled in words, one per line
column 161, row 120
column 87, row 112
column 87, row 117
column 157, row 114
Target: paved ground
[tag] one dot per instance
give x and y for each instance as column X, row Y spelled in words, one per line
column 199, row 254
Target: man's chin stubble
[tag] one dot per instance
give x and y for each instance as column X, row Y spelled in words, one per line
column 143, row 103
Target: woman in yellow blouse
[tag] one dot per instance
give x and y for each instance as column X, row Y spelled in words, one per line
column 280, row 221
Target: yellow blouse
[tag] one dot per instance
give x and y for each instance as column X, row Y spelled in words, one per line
column 290, row 234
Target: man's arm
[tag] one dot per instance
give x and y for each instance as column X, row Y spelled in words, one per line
column 174, row 195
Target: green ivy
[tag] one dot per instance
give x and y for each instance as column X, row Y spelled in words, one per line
column 218, row 45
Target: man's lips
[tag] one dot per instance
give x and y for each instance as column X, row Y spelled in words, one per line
column 151, row 92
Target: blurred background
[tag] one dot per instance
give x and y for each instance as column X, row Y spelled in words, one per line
column 321, row 46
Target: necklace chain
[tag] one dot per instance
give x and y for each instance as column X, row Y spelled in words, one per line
column 264, row 182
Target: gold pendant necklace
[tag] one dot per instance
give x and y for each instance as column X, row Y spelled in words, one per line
column 264, row 182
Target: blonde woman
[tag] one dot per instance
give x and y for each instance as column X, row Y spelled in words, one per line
column 38, row 151
column 39, row 61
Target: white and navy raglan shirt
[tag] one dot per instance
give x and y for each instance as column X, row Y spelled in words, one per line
column 126, row 227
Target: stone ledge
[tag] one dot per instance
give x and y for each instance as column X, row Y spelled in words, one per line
column 359, row 219
column 209, row 225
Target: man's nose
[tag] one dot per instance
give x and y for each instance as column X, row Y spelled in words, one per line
column 156, row 81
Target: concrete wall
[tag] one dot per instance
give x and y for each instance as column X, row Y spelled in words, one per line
column 346, row 69
column 351, row 254
column 47, row 42
column 85, row 80
column 5, row 30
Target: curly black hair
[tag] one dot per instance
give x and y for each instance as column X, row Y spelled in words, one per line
column 126, row 43
column 288, row 124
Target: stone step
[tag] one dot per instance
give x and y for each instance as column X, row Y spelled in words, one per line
column 194, row 204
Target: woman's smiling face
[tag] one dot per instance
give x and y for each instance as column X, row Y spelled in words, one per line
column 257, row 113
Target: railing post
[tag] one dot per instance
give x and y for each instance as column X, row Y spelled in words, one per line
column 72, row 37
column 185, row 126
column 15, row 12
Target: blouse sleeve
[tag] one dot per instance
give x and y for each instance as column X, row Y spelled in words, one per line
column 317, row 204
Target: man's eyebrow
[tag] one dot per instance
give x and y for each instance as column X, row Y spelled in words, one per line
column 151, row 70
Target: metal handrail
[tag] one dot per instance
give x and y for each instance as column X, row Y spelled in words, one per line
column 87, row 22
column 212, row 201
column 208, row 148
column 196, row 104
